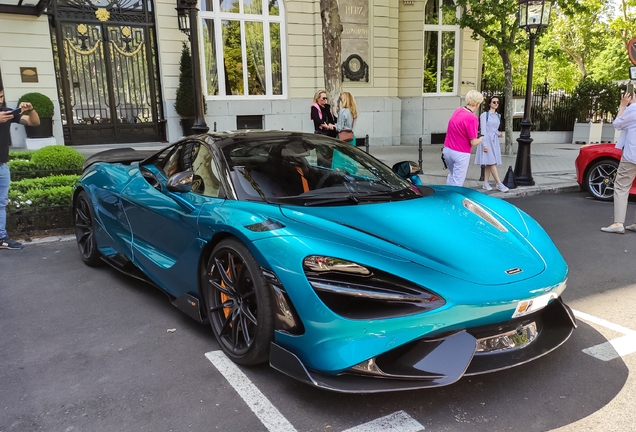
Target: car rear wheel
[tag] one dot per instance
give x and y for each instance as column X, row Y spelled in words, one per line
column 85, row 230
column 599, row 179
column 239, row 303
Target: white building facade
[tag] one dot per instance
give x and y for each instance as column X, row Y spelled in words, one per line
column 112, row 67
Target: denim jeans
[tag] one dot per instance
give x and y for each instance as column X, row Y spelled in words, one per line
column 5, row 179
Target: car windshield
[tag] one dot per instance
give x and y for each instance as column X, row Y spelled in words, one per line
column 307, row 169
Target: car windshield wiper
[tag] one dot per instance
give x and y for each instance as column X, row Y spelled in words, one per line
column 357, row 199
column 347, row 199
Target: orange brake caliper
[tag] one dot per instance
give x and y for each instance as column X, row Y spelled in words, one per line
column 225, row 297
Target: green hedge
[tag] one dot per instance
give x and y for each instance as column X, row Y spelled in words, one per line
column 34, row 198
column 43, row 183
column 42, row 188
column 42, row 104
column 20, row 154
column 47, row 161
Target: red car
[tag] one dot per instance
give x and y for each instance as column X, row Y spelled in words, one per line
column 596, row 167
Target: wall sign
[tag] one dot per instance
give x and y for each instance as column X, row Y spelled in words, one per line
column 354, row 15
column 29, row 74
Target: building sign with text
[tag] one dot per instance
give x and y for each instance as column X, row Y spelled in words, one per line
column 354, row 15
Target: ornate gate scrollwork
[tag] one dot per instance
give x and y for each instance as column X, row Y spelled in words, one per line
column 107, row 71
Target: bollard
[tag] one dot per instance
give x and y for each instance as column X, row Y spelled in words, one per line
column 481, row 176
column 419, row 161
column 366, row 143
column 214, row 126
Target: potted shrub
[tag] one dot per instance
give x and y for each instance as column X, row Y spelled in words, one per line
column 594, row 101
column 184, row 103
column 44, row 107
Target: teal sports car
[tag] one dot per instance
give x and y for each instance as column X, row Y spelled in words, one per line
column 308, row 253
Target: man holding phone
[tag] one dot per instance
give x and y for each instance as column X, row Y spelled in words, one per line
column 26, row 115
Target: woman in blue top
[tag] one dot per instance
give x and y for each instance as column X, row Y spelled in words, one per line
column 347, row 116
column 488, row 151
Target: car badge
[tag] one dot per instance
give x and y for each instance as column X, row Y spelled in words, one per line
column 513, row 271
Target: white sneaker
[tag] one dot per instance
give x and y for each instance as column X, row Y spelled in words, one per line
column 502, row 187
column 487, row 186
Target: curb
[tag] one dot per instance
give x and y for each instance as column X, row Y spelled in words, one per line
column 544, row 190
column 49, row 239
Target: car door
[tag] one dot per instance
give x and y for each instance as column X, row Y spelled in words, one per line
column 164, row 224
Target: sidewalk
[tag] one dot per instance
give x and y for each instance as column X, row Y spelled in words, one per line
column 552, row 165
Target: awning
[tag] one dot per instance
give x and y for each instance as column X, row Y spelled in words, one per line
column 23, row 7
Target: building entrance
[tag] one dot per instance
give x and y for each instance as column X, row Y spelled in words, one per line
column 107, row 71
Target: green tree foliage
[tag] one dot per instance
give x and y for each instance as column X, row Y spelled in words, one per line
column 581, row 33
column 624, row 24
column 497, row 23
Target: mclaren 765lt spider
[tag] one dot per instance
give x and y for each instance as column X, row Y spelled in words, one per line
column 308, row 253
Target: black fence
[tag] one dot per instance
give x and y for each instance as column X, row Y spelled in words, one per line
column 552, row 110
column 39, row 219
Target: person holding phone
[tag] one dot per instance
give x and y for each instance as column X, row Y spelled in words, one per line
column 625, row 121
column 26, row 115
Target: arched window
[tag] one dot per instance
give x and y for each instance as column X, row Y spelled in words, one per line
column 243, row 47
column 441, row 42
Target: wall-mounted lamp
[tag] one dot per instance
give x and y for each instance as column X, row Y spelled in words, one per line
column 183, row 17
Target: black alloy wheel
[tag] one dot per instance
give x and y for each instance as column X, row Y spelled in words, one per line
column 85, row 230
column 239, row 303
column 599, row 179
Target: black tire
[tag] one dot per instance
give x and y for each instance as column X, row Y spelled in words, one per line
column 599, row 179
column 85, row 230
column 239, row 303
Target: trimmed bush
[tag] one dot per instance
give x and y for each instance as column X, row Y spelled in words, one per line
column 34, row 198
column 20, row 154
column 41, row 104
column 42, row 183
column 47, row 161
column 21, row 169
column 57, row 158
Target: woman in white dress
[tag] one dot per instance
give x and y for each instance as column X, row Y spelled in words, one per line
column 488, row 151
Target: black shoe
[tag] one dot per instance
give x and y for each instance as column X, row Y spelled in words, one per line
column 7, row 243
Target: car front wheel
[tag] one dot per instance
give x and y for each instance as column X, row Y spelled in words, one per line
column 239, row 303
column 599, row 179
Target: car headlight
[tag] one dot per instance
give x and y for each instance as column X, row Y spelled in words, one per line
column 359, row 292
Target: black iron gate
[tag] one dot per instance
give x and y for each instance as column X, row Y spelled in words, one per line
column 107, row 71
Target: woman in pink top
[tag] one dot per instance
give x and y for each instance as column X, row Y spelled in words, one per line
column 461, row 137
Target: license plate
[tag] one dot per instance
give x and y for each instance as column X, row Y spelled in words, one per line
column 524, row 307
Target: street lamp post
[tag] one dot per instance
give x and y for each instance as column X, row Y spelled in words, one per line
column 187, row 13
column 533, row 16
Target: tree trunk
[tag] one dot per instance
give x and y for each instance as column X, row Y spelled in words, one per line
column 507, row 66
column 331, row 50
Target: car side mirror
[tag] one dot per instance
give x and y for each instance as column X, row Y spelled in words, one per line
column 180, row 182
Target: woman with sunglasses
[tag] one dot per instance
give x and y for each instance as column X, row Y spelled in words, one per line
column 324, row 121
column 488, row 151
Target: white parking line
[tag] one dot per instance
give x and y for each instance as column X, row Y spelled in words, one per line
column 258, row 403
column 396, row 422
column 273, row 420
column 610, row 350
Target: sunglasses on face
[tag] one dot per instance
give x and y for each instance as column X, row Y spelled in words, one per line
column 323, row 98
column 495, row 102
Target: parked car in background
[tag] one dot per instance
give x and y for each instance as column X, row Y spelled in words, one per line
column 308, row 253
column 596, row 167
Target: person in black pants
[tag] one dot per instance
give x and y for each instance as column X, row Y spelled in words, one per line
column 324, row 121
